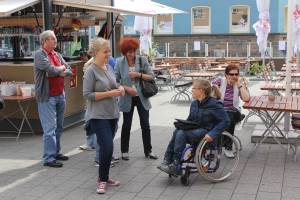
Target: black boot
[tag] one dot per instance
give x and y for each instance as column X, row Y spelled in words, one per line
column 173, row 168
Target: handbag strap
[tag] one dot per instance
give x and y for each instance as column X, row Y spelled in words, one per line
column 141, row 65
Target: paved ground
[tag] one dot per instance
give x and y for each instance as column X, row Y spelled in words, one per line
column 269, row 174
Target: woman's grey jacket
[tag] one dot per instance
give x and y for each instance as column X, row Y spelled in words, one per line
column 121, row 70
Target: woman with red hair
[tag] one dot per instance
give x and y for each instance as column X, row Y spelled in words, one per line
column 129, row 69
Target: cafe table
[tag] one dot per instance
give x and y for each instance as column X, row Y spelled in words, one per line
column 271, row 111
column 23, row 103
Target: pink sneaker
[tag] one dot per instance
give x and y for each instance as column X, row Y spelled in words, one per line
column 101, row 187
column 111, row 182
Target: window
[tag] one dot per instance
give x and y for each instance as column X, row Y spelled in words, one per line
column 239, row 19
column 201, row 20
column 163, row 24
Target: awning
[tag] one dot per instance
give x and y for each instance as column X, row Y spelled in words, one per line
column 92, row 5
column 10, row 6
column 146, row 6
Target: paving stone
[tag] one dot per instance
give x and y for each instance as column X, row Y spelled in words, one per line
column 244, row 188
column 151, row 192
column 123, row 196
column 249, row 179
column 268, row 196
column 290, row 192
column 195, row 195
column 134, row 187
column 55, row 194
column 143, row 178
column 229, row 185
column 175, row 190
column 243, row 197
column 40, row 191
column 291, row 182
column 143, row 198
column 218, row 194
column 270, row 187
column 164, row 197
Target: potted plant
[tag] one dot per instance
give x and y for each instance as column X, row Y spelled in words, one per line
column 255, row 69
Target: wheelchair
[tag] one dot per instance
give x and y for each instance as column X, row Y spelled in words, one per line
column 208, row 159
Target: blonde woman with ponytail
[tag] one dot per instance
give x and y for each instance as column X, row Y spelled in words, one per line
column 101, row 91
column 211, row 117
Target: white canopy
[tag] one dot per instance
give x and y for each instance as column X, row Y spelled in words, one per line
column 100, row 6
column 129, row 7
column 147, row 7
column 10, row 6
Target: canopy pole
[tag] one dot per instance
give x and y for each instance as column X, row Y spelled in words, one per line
column 47, row 12
column 288, row 62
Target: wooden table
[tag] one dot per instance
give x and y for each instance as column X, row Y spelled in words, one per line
column 280, row 86
column 271, row 113
column 294, row 74
column 166, row 65
column 216, row 69
column 208, row 75
column 293, row 69
column 23, row 105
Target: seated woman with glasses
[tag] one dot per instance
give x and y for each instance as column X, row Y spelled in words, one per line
column 212, row 120
column 232, row 88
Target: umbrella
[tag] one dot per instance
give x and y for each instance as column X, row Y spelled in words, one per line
column 144, row 26
column 262, row 26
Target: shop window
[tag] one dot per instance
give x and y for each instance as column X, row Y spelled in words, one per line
column 201, row 22
column 163, row 24
column 239, row 19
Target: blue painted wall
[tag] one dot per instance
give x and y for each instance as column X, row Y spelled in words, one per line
column 220, row 18
column 281, row 15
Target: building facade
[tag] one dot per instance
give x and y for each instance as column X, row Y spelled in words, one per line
column 222, row 24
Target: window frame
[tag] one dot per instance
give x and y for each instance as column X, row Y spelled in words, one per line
column 230, row 19
column 163, row 33
column 192, row 21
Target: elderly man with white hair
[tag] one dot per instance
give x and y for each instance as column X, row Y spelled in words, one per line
column 49, row 72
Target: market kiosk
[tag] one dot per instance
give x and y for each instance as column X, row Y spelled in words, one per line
column 20, row 26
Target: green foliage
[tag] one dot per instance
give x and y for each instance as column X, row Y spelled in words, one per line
column 255, row 69
column 153, row 51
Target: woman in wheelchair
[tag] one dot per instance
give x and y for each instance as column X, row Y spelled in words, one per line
column 232, row 88
column 212, row 120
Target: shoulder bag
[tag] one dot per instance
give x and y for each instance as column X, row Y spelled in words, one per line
column 185, row 124
column 148, row 87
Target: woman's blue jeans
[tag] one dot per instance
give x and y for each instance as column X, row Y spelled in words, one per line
column 178, row 141
column 105, row 130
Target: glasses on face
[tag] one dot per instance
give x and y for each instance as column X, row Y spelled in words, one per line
column 233, row 74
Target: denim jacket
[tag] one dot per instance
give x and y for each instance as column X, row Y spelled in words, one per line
column 121, row 70
column 210, row 115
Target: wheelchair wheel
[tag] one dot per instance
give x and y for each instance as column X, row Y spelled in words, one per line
column 185, row 177
column 211, row 161
column 240, row 147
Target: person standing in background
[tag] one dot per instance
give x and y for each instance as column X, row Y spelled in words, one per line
column 49, row 72
column 128, row 72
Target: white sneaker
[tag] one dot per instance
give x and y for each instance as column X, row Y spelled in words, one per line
column 86, row 148
column 228, row 153
column 96, row 163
